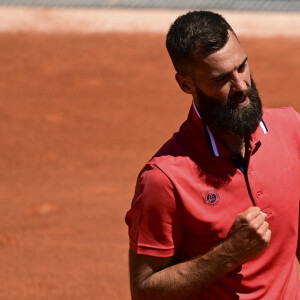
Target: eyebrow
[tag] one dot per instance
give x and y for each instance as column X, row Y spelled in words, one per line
column 223, row 75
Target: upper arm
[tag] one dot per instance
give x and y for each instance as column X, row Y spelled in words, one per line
column 155, row 229
column 142, row 267
column 155, row 218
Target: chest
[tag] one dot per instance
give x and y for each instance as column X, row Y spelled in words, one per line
column 213, row 195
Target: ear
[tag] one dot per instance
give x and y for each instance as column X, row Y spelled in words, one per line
column 185, row 83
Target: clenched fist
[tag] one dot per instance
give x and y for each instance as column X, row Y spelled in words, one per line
column 249, row 235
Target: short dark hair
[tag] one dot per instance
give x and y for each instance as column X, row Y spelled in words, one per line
column 197, row 32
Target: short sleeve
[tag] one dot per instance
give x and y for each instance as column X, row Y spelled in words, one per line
column 298, row 131
column 154, row 220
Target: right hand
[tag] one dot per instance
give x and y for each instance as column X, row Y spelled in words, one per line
column 249, row 235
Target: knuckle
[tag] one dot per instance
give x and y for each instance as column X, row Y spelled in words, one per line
column 257, row 209
column 261, row 231
column 266, row 224
column 254, row 225
column 263, row 228
column 248, row 218
column 267, row 237
column 263, row 214
column 241, row 218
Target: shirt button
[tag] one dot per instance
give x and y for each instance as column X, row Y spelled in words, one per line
column 250, row 171
column 259, row 195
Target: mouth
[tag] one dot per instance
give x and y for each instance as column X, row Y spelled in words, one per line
column 239, row 99
column 242, row 102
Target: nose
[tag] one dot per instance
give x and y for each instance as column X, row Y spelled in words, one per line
column 237, row 83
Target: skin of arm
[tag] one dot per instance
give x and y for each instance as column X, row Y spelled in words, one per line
column 156, row 277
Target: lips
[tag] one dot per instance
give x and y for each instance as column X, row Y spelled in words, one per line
column 239, row 99
column 243, row 101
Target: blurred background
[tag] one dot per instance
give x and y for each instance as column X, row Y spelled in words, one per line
column 256, row 5
column 87, row 97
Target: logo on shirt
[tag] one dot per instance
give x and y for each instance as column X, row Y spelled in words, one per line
column 211, row 198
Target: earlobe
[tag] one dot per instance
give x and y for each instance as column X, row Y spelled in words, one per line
column 184, row 83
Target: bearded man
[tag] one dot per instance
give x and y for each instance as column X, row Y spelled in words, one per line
column 205, row 205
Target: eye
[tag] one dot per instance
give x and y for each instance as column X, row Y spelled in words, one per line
column 221, row 78
column 242, row 67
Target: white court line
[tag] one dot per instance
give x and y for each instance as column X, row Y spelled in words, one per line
column 93, row 20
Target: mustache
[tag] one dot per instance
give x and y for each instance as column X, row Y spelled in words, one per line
column 240, row 96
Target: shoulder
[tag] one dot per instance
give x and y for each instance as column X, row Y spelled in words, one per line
column 153, row 177
column 281, row 114
column 283, row 123
column 171, row 157
column 283, row 119
column 153, row 186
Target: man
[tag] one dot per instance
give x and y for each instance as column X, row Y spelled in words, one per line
column 205, row 205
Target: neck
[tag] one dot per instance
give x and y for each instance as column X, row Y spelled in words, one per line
column 235, row 144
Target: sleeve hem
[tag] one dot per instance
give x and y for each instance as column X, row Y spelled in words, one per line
column 151, row 251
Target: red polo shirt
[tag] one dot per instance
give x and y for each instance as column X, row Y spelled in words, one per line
column 188, row 195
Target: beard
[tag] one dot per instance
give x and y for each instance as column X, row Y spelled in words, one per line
column 228, row 116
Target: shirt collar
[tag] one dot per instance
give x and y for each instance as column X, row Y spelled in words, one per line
column 215, row 146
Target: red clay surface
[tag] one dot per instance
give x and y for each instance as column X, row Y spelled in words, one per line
column 80, row 115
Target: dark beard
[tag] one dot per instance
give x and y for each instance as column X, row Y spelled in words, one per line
column 229, row 117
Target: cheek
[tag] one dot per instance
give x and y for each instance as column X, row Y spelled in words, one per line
column 248, row 77
column 221, row 91
column 217, row 91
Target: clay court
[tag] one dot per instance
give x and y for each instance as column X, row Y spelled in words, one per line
column 81, row 112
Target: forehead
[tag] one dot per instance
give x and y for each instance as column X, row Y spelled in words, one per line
column 224, row 60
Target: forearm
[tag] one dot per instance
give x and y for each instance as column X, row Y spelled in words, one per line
column 187, row 279
column 157, row 278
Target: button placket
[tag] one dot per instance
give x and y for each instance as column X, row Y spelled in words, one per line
column 259, row 195
column 250, row 171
